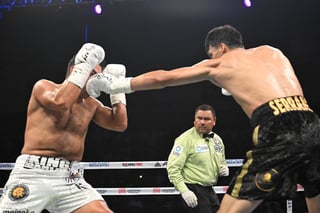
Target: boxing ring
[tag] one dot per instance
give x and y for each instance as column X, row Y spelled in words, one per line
column 152, row 191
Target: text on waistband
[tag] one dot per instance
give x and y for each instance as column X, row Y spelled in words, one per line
column 287, row 104
column 46, row 163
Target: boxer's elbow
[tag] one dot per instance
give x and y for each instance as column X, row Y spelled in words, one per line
column 119, row 129
column 116, row 126
column 121, row 126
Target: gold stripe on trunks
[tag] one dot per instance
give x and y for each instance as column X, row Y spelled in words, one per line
column 255, row 135
column 238, row 184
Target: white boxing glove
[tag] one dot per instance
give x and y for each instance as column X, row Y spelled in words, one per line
column 119, row 71
column 87, row 58
column 224, row 170
column 91, row 54
column 79, row 74
column 225, row 92
column 190, row 198
column 121, row 85
column 99, row 83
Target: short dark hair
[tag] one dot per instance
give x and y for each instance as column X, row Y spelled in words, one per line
column 72, row 62
column 223, row 34
column 206, row 107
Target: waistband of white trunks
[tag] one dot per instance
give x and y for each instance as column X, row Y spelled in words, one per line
column 44, row 163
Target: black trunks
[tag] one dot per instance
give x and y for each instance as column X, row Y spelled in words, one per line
column 286, row 152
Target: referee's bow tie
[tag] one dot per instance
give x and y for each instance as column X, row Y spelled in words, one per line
column 208, row 135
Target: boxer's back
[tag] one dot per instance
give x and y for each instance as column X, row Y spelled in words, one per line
column 255, row 76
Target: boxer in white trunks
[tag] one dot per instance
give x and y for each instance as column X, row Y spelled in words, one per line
column 47, row 174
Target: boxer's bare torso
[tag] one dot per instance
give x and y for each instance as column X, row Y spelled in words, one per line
column 56, row 133
column 255, row 76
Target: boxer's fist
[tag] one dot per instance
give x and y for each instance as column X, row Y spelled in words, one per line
column 87, row 58
column 121, row 84
column 99, row 83
column 91, row 54
column 117, row 70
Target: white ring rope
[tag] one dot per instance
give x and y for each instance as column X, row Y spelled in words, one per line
column 145, row 190
column 139, row 165
column 127, row 165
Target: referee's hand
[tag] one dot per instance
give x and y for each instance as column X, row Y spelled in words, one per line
column 190, row 198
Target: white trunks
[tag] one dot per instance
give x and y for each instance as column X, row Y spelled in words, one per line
column 36, row 183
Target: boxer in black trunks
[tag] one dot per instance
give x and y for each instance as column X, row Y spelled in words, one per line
column 263, row 82
column 285, row 140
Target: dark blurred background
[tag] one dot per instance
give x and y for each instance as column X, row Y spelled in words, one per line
column 37, row 40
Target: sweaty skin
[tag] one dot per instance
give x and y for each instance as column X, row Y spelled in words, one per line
column 58, row 117
column 253, row 76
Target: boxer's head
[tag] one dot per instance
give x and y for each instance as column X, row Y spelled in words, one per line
column 220, row 38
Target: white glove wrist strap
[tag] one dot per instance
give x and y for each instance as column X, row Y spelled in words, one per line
column 80, row 74
column 118, row 98
column 121, row 85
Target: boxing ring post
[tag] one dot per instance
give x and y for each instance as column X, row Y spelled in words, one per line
column 126, row 191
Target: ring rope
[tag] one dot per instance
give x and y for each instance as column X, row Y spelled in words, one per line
column 146, row 190
column 127, row 165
